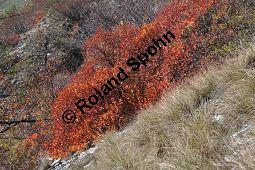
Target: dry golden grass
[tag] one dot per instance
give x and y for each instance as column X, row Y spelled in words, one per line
column 206, row 123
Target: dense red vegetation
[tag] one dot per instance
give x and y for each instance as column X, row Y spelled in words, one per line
column 106, row 52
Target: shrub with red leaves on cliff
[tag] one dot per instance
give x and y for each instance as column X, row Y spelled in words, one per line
column 107, row 51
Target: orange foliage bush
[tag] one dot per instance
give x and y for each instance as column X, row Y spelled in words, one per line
column 106, row 52
column 39, row 15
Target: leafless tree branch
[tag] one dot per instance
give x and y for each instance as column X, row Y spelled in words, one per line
column 13, row 123
column 17, row 121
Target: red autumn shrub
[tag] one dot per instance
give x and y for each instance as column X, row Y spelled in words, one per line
column 106, row 52
column 39, row 15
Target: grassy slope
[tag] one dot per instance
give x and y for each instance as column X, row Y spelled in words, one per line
column 206, row 123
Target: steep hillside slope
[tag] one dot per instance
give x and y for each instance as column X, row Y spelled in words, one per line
column 40, row 51
column 53, row 51
column 207, row 122
column 205, row 33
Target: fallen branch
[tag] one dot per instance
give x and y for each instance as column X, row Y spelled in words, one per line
column 13, row 123
column 17, row 121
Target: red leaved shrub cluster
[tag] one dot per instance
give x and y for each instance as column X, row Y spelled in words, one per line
column 107, row 51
